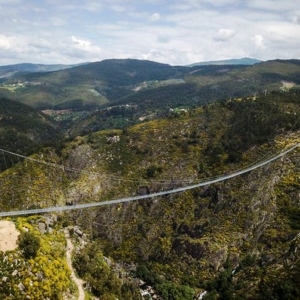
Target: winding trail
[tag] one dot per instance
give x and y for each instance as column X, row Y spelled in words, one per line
column 78, row 282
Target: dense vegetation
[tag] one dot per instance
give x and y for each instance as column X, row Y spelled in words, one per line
column 114, row 80
column 104, row 283
column 24, row 130
column 10, row 70
column 37, row 270
column 29, row 243
column 214, row 238
column 120, row 93
column 254, row 122
column 238, row 239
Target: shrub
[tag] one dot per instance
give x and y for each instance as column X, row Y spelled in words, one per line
column 29, row 243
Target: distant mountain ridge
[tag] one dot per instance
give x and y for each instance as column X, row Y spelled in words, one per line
column 213, row 232
column 147, row 87
column 236, row 61
column 9, row 70
column 220, row 238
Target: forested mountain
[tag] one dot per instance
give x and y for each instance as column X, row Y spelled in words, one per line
column 240, row 61
column 200, row 86
column 11, row 70
column 110, row 82
column 222, row 238
column 24, row 130
column 91, row 84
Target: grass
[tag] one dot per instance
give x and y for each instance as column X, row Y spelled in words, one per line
column 12, row 88
column 88, row 296
column 51, row 95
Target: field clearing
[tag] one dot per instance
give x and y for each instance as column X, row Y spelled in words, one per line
column 49, row 95
column 12, row 88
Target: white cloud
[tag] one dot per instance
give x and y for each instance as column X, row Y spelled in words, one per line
column 85, row 46
column 224, row 34
column 6, row 2
column 155, row 17
column 163, row 39
column 283, row 30
column 273, row 5
column 172, row 56
column 258, row 41
column 81, row 43
column 175, row 32
column 222, row 3
column 5, row 42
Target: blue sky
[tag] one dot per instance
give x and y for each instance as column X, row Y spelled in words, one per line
column 173, row 32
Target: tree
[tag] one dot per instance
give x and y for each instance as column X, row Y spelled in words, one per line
column 29, row 243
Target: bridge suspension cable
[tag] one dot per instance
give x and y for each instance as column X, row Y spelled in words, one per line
column 153, row 195
column 121, row 179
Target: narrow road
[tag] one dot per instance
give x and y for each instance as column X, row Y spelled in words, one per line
column 77, row 281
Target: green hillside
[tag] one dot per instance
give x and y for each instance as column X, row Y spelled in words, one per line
column 94, row 83
column 11, row 70
column 115, row 81
column 24, row 130
column 139, row 127
column 199, row 87
column 222, row 238
column 240, row 61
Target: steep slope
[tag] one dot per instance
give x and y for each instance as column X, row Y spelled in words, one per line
column 223, row 238
column 115, row 82
column 124, row 72
column 199, row 87
column 238, row 227
column 94, row 83
column 250, row 80
column 37, row 269
column 24, row 130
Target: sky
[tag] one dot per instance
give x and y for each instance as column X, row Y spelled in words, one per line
column 167, row 31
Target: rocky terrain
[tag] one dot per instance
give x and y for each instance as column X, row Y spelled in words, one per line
column 235, row 239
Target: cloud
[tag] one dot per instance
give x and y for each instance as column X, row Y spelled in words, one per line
column 273, row 5
column 258, row 41
column 5, row 42
column 222, row 3
column 283, row 30
column 85, row 46
column 11, row 2
column 163, row 39
column 81, row 43
column 174, row 32
column 224, row 34
column 155, row 17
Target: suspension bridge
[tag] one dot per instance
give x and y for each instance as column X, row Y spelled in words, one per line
column 209, row 181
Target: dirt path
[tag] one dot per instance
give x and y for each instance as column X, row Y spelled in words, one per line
column 8, row 236
column 78, row 282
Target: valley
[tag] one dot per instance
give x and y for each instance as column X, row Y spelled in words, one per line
column 208, row 154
